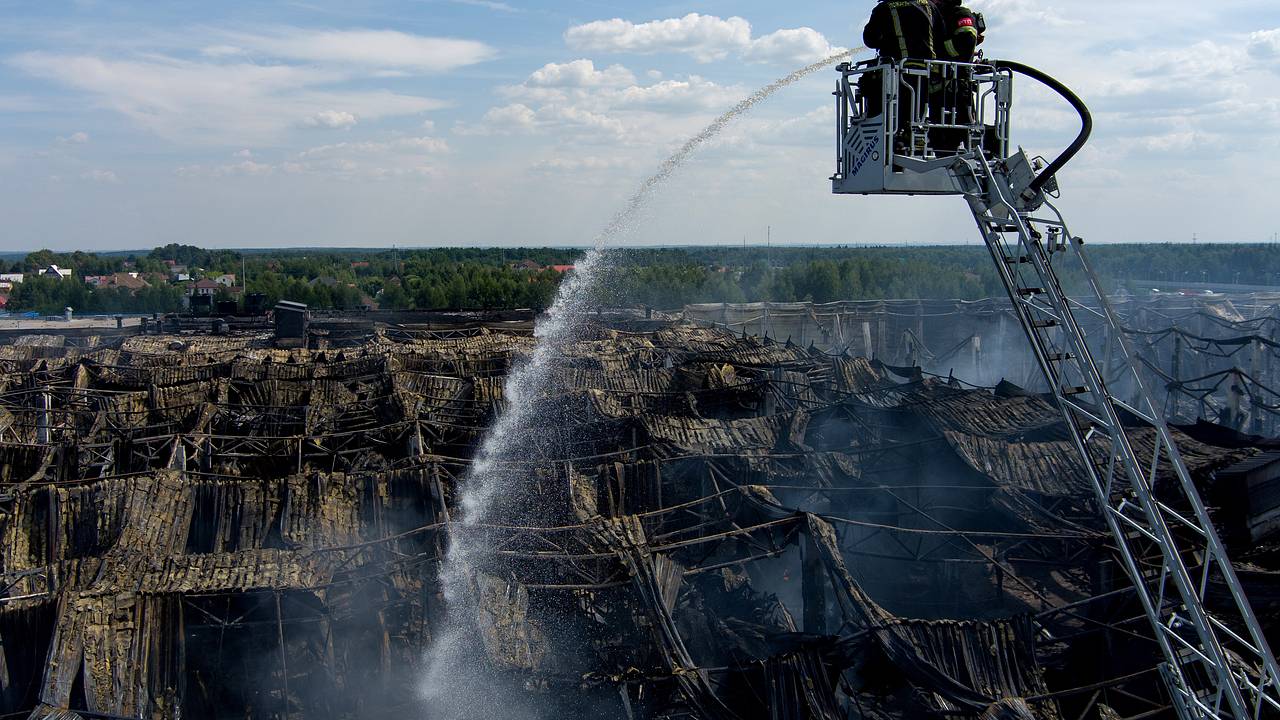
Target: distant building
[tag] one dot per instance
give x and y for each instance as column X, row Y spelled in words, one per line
column 4, row 301
column 226, row 280
column 562, row 269
column 181, row 277
column 203, row 287
column 528, row 265
column 56, row 272
column 11, row 278
column 359, row 264
column 127, row 280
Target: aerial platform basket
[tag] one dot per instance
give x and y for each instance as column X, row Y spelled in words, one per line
column 900, row 125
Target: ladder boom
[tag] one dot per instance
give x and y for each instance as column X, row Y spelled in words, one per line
column 937, row 128
column 1239, row 669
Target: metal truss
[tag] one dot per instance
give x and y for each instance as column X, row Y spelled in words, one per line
column 1217, row 661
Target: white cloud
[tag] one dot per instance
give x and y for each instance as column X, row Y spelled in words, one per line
column 100, row 176
column 797, row 46
column 1001, row 13
column 370, row 48
column 332, row 119
column 693, row 94
column 411, row 144
column 77, row 138
column 565, row 120
column 577, row 101
column 213, row 102
column 244, row 168
column 244, row 154
column 706, row 38
column 1265, row 45
column 580, row 73
column 249, row 167
column 514, row 118
column 578, row 165
column 404, row 157
column 580, row 84
column 424, row 144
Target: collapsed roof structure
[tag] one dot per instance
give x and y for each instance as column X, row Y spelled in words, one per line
column 1213, row 357
column 715, row 525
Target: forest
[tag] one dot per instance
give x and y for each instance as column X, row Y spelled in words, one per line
column 665, row 278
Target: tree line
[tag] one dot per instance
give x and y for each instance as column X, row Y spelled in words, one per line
column 498, row 279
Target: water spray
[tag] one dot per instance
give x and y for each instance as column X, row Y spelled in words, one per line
column 458, row 683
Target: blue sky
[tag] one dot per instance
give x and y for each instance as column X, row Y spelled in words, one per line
column 482, row 122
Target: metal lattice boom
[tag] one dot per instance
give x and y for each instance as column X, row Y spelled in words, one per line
column 889, row 118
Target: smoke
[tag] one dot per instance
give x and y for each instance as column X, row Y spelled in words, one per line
column 461, row 682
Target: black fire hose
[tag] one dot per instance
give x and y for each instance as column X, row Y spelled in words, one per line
column 1086, row 120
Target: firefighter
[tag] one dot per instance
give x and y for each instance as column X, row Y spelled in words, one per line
column 899, row 30
column 961, row 32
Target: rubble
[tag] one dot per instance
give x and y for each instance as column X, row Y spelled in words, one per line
column 725, row 526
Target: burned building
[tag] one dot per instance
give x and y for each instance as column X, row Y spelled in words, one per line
column 715, row 525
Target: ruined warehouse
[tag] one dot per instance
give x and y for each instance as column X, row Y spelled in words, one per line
column 717, row 524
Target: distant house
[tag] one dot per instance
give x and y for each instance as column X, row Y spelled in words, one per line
column 181, row 277
column 226, row 280
column 56, row 272
column 528, row 265
column 127, row 280
column 11, row 278
column 203, row 287
column 4, row 301
column 562, row 269
column 359, row 264
column 176, row 270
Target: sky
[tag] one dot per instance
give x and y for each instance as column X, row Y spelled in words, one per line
column 128, row 124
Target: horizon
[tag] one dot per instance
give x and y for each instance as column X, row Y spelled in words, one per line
column 977, row 245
